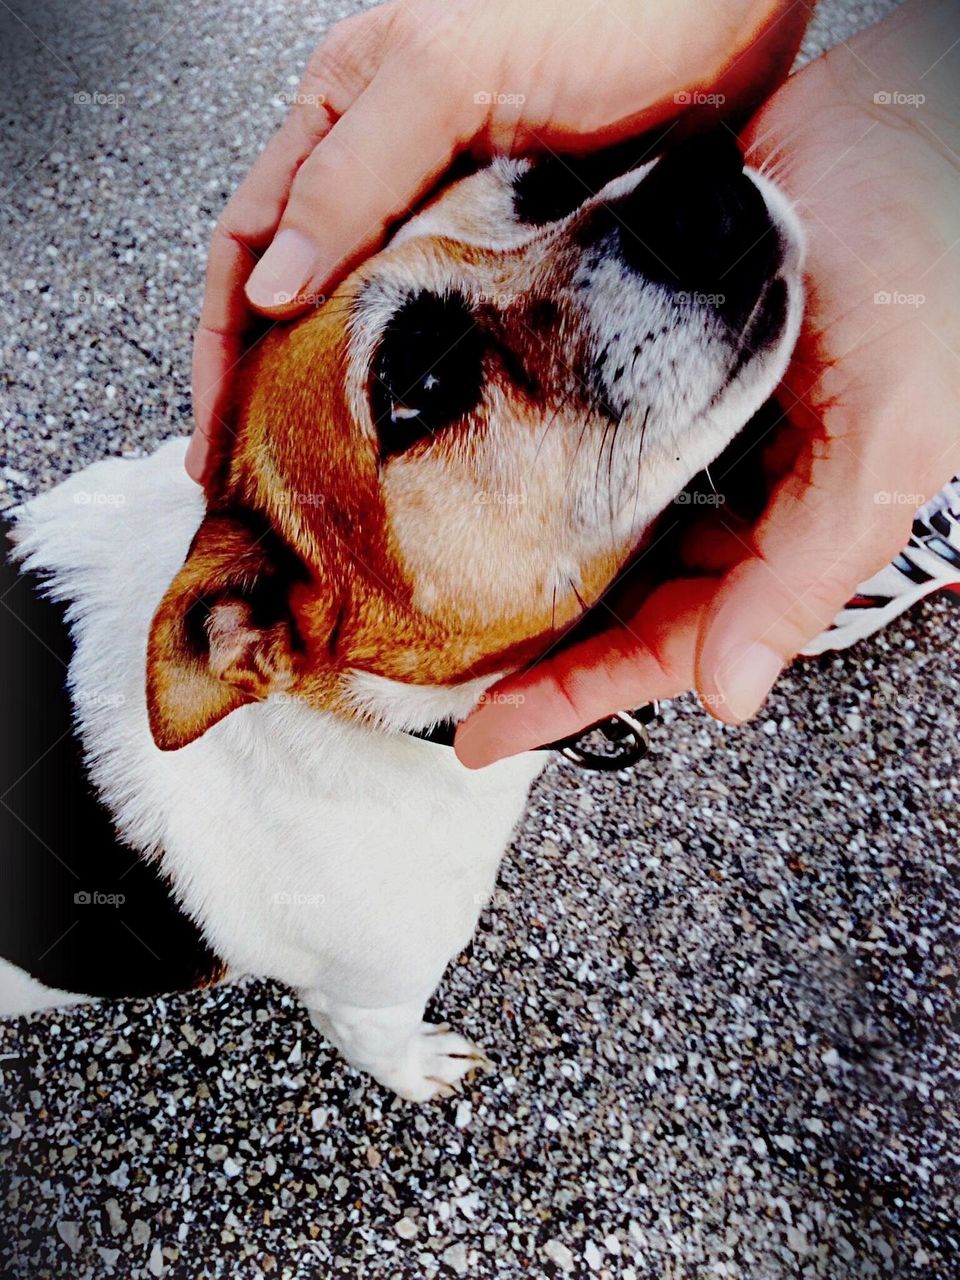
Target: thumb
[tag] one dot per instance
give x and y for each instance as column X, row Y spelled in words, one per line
column 817, row 543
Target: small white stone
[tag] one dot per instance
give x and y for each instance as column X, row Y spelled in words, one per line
column 69, row 1233
column 558, row 1252
column 797, row 1241
column 593, row 1256
column 156, row 1265
column 464, row 1114
column 406, row 1228
column 455, row 1256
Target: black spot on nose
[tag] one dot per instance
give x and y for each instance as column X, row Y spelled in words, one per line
column 698, row 224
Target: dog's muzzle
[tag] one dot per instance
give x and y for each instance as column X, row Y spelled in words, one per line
column 698, row 225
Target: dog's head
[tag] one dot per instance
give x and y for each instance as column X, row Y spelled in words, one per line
column 436, row 468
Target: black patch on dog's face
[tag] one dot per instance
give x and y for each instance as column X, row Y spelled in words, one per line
column 557, row 185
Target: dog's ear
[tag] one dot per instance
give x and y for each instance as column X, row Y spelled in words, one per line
column 223, row 635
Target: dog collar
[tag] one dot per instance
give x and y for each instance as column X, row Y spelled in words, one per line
column 618, row 742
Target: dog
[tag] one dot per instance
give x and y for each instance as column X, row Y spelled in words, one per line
column 430, row 475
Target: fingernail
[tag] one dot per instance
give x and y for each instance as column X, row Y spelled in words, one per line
column 745, row 677
column 476, row 746
column 195, row 459
column 281, row 276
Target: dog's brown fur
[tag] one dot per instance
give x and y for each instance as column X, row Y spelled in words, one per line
column 311, row 473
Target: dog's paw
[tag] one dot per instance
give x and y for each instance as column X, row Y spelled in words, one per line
column 436, row 1061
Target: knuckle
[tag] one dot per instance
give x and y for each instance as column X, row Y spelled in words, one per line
column 564, row 690
column 311, row 180
column 228, row 234
column 349, row 54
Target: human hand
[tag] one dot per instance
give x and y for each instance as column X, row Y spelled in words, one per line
column 871, row 402
column 392, row 95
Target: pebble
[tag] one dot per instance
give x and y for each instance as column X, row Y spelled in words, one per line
column 69, row 1233
column 559, row 1253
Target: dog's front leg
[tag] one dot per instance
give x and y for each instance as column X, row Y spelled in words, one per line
column 418, row 1060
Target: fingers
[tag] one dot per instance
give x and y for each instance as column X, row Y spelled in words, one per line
column 214, row 357
column 366, row 172
column 337, row 74
column 650, row 656
column 816, row 545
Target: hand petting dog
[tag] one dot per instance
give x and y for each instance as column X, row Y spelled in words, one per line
column 393, row 95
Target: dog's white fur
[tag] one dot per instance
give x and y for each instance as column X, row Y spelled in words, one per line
column 347, row 862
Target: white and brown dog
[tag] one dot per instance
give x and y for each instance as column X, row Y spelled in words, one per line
column 430, row 473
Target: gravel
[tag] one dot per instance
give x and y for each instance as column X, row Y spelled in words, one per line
column 720, row 988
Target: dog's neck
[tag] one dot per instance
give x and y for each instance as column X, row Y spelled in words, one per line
column 410, row 708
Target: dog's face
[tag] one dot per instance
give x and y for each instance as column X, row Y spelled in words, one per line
column 434, row 470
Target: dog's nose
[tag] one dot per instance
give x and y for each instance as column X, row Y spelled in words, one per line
column 697, row 223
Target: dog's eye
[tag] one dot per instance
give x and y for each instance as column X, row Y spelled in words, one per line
column 428, row 371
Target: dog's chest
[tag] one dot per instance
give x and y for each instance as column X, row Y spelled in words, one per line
column 301, row 844
column 339, row 858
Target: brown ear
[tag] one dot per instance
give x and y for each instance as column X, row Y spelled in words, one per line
column 223, row 634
